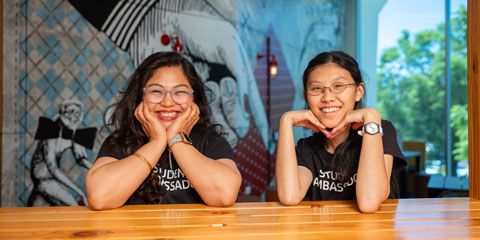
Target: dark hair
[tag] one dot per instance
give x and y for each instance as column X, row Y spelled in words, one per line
column 127, row 130
column 347, row 154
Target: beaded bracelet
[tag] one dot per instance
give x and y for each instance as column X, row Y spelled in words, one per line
column 149, row 165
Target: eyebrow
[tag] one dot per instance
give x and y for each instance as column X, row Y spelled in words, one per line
column 333, row 80
column 160, row 85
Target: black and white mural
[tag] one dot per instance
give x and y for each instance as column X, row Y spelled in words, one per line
column 69, row 59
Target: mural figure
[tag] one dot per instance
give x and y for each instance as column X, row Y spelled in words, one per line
column 54, row 138
column 209, row 37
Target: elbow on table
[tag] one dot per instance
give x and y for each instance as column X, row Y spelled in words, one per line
column 227, row 202
column 96, row 202
column 367, row 206
column 224, row 201
column 224, row 198
column 289, row 200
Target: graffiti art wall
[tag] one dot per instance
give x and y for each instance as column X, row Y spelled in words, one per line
column 64, row 65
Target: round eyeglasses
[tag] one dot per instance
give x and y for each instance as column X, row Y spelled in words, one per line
column 156, row 94
column 336, row 87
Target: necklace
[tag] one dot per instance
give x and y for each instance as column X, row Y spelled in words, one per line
column 170, row 158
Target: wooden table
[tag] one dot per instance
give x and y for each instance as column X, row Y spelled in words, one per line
column 396, row 219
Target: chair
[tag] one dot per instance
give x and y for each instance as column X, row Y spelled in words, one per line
column 417, row 180
column 415, row 147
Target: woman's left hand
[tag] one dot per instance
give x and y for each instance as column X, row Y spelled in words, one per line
column 185, row 121
column 356, row 119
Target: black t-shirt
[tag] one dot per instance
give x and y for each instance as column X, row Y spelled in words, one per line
column 331, row 185
column 176, row 186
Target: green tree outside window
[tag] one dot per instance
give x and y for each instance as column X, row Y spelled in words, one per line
column 411, row 87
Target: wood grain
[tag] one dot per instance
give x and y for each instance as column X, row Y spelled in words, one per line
column 473, row 46
column 405, row 219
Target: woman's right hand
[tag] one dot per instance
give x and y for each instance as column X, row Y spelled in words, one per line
column 150, row 124
column 303, row 118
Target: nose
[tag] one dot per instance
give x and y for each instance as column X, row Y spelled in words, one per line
column 168, row 99
column 327, row 95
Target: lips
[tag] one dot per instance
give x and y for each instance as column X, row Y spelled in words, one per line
column 329, row 109
column 167, row 115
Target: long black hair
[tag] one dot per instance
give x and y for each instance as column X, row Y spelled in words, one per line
column 127, row 130
column 347, row 154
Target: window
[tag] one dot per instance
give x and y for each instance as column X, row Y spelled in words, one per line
column 422, row 78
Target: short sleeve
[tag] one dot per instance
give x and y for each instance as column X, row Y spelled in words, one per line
column 212, row 145
column 390, row 146
column 108, row 151
column 304, row 153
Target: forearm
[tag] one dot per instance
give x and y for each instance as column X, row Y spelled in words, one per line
column 286, row 170
column 110, row 182
column 373, row 183
column 216, row 181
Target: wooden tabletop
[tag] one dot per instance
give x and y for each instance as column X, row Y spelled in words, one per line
column 440, row 218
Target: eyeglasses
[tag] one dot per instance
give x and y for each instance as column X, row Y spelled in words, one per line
column 336, row 87
column 156, row 94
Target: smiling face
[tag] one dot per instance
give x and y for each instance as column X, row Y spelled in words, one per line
column 173, row 80
column 330, row 107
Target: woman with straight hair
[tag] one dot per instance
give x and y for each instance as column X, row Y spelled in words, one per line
column 353, row 153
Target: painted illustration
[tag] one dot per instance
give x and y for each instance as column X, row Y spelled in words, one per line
column 85, row 51
column 51, row 184
column 205, row 32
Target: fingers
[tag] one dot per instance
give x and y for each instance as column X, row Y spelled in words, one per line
column 314, row 120
column 351, row 120
column 150, row 124
column 305, row 118
column 186, row 120
column 140, row 115
column 340, row 127
column 193, row 119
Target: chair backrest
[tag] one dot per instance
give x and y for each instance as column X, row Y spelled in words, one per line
column 416, row 146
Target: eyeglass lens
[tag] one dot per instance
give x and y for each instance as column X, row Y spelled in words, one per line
column 157, row 94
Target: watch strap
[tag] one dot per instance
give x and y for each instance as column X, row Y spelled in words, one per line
column 181, row 137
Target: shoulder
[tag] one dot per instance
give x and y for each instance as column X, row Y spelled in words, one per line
column 110, row 149
column 385, row 123
column 391, row 144
column 211, row 143
column 313, row 140
column 388, row 128
column 205, row 135
column 309, row 144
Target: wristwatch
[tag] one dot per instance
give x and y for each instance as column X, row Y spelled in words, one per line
column 371, row 128
column 181, row 137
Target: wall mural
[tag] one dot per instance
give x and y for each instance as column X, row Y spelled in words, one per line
column 78, row 59
column 54, row 137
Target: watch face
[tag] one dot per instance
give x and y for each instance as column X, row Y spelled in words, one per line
column 371, row 128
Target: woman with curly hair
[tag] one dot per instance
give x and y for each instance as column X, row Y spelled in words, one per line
column 164, row 147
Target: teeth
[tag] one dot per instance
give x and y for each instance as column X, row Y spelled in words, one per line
column 168, row 114
column 330, row 109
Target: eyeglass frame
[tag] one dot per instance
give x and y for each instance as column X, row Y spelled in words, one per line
column 168, row 91
column 322, row 89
